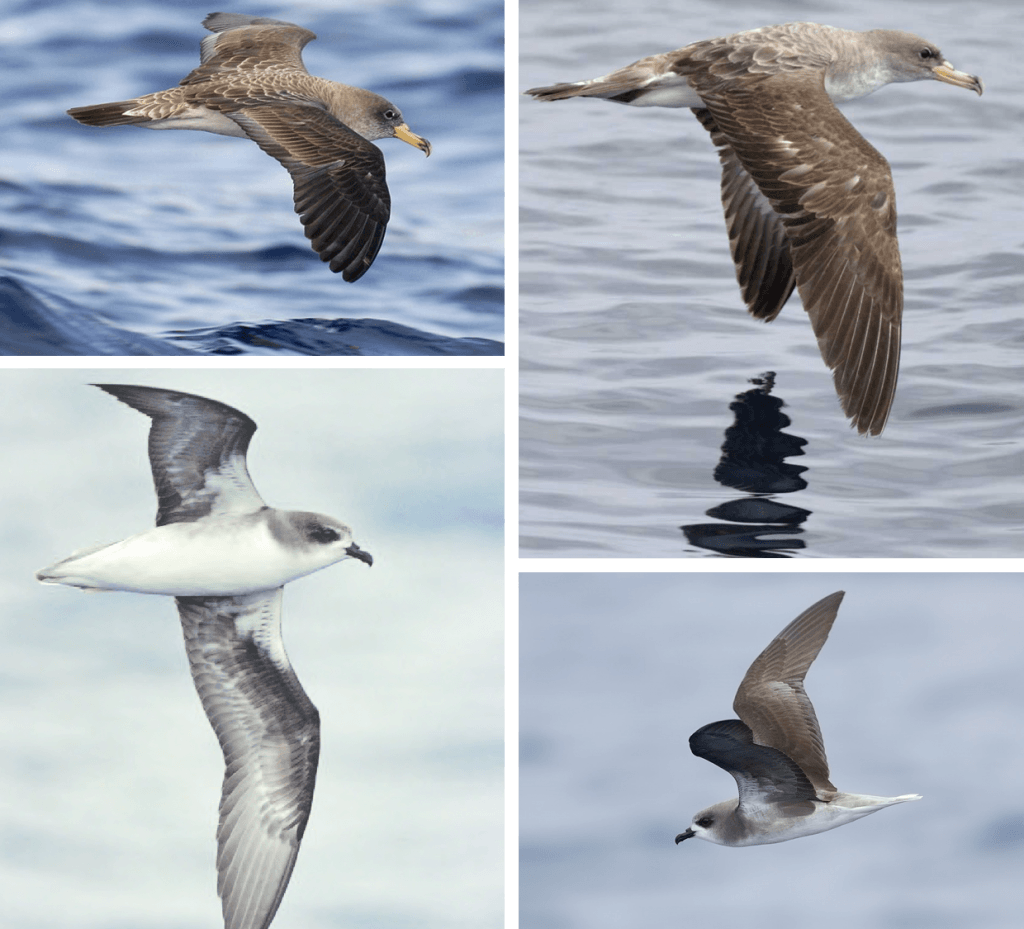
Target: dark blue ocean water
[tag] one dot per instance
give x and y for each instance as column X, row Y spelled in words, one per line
column 129, row 241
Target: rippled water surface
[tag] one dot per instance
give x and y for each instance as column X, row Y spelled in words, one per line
column 635, row 342
column 124, row 241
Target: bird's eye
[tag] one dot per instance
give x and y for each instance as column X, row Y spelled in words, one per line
column 323, row 535
column 390, row 114
column 705, row 821
column 927, row 53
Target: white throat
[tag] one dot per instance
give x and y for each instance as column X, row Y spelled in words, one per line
column 860, row 83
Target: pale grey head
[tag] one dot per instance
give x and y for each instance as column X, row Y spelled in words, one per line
column 329, row 539
column 908, row 57
column 374, row 117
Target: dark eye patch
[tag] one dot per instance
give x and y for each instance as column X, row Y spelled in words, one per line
column 322, row 534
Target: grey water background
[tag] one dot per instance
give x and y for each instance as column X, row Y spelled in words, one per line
column 124, row 241
column 110, row 774
column 634, row 339
column 918, row 690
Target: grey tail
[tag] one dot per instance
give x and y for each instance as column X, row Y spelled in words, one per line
column 107, row 114
column 556, row 92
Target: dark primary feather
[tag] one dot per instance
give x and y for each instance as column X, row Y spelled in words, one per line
column 757, row 237
column 762, row 774
column 341, row 193
column 192, row 439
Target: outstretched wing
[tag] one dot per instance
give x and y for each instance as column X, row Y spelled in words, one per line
column 341, row 191
column 249, row 42
column 834, row 195
column 771, row 698
column 763, row 774
column 197, row 452
column 269, row 732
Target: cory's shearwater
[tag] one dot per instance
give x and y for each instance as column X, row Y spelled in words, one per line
column 225, row 556
column 251, row 83
column 809, row 203
column 775, row 750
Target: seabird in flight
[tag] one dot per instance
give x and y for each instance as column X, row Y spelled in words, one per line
column 252, row 84
column 225, row 556
column 809, row 202
column 775, row 750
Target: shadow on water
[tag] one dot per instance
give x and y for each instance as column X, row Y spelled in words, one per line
column 753, row 461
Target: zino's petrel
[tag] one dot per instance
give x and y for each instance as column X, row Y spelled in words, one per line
column 775, row 750
column 251, row 83
column 226, row 556
column 808, row 201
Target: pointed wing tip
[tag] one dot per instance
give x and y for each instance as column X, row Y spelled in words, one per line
column 869, row 426
column 826, row 607
column 258, row 710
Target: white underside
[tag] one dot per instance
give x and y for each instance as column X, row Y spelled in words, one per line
column 668, row 91
column 671, row 90
column 765, row 825
column 197, row 118
column 217, row 556
column 672, row 97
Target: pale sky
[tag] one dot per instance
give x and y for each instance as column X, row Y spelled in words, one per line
column 105, row 742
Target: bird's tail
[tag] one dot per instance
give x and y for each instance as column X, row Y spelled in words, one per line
column 108, row 114
column 619, row 87
column 558, row 91
column 869, row 803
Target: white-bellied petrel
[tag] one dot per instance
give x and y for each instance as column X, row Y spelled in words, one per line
column 809, row 202
column 775, row 750
column 225, row 556
column 251, row 83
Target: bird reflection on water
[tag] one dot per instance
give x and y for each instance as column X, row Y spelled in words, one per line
column 753, row 460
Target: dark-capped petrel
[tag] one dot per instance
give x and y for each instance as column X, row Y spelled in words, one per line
column 775, row 750
column 251, row 83
column 808, row 201
column 226, row 556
